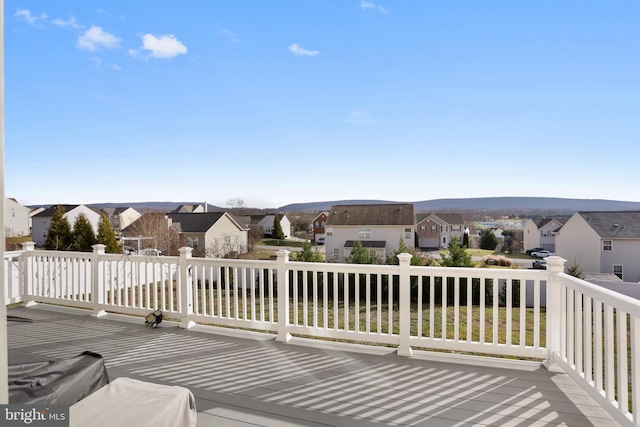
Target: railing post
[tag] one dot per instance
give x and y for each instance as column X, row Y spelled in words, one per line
column 404, row 349
column 555, row 266
column 185, row 288
column 97, row 285
column 283, row 296
column 26, row 272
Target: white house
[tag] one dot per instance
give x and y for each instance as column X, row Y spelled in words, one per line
column 42, row 221
column 16, row 218
column 121, row 217
column 263, row 224
column 215, row 234
column 602, row 242
column 541, row 233
column 379, row 227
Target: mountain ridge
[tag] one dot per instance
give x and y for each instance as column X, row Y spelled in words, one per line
column 557, row 204
column 506, row 205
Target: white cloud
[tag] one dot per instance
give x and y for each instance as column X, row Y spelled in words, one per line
column 95, row 38
column 165, row 47
column 230, row 35
column 71, row 22
column 28, row 17
column 366, row 5
column 300, row 51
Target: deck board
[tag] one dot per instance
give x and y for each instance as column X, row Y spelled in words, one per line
column 249, row 379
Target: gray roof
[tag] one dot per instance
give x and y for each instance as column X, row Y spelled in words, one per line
column 48, row 212
column 377, row 214
column 544, row 221
column 186, row 208
column 449, row 218
column 614, row 224
column 195, row 222
column 600, row 277
column 114, row 211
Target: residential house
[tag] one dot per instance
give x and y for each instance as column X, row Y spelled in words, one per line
column 262, row 225
column 197, row 208
column 541, row 233
column 436, row 230
column 16, row 218
column 121, row 217
column 42, row 221
column 212, row 234
column 379, row 227
column 32, row 213
column 602, row 242
column 318, row 228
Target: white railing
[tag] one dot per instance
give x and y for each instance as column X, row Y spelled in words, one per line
column 592, row 333
column 596, row 339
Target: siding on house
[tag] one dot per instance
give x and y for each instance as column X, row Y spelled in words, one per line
column 601, row 242
column 437, row 230
column 16, row 218
column 386, row 223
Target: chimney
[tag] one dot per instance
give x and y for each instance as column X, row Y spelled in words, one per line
column 205, row 206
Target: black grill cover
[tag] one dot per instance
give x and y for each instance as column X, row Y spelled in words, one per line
column 57, row 382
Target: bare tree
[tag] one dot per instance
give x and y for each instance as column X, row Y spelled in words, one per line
column 226, row 246
column 156, row 232
column 236, row 206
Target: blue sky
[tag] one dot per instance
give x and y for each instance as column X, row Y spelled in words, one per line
column 278, row 102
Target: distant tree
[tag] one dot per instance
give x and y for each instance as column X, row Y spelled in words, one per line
column 236, row 206
column 416, row 257
column 465, row 239
column 156, row 232
column 488, row 240
column 308, row 254
column 575, row 271
column 276, row 231
column 107, row 236
column 361, row 255
column 83, row 236
column 59, row 232
column 456, row 255
column 508, row 241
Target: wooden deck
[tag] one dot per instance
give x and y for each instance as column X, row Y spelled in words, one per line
column 249, row 379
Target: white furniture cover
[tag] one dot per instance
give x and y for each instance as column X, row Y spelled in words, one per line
column 128, row 402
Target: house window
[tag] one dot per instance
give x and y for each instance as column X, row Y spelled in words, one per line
column 606, row 245
column 455, row 228
column 336, row 254
column 364, row 233
column 423, row 228
column 407, row 233
column 617, row 270
column 444, row 228
column 434, row 228
column 192, row 242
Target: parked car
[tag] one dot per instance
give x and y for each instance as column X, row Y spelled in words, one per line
column 542, row 254
column 529, row 251
column 539, row 264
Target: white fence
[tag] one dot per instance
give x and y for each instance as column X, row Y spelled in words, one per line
column 592, row 333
